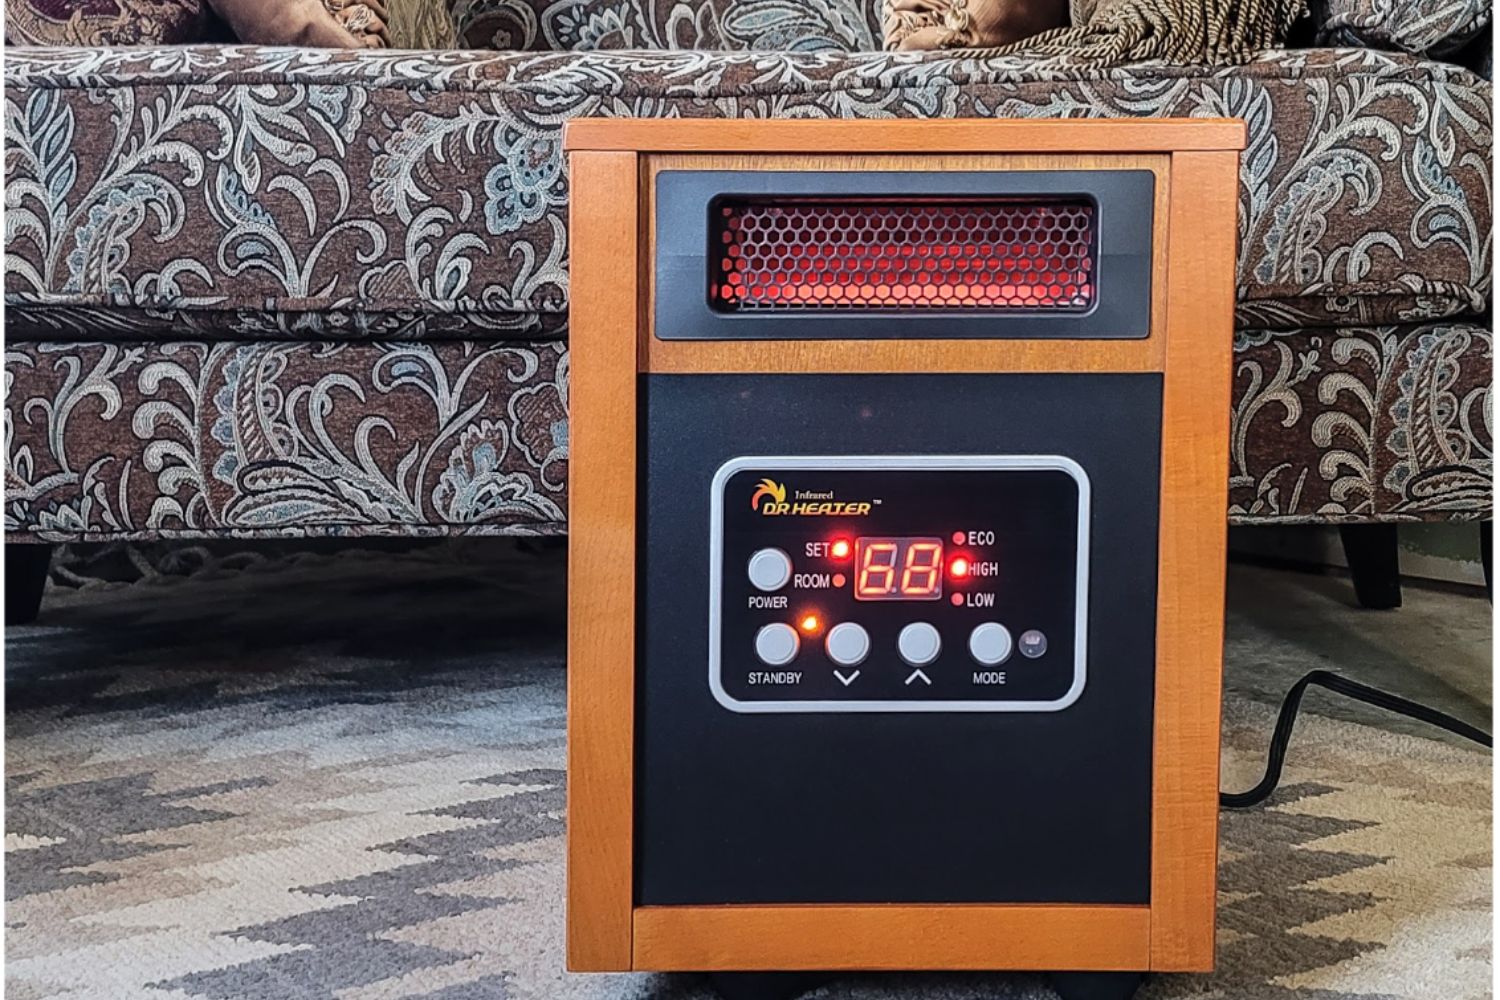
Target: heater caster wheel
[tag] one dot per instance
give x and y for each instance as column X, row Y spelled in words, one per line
column 1096, row 985
column 765, row 985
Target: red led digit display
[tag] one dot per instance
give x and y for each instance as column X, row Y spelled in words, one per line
column 898, row 569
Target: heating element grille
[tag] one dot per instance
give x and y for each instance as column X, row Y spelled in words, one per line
column 861, row 254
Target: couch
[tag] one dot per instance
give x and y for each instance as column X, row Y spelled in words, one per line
column 261, row 292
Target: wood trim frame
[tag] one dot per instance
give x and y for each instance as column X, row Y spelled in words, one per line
column 924, row 136
column 1190, row 343
column 1193, row 534
column 601, row 564
column 885, row 937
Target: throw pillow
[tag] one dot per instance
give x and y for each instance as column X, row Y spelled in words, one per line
column 724, row 25
column 1422, row 27
column 105, row 22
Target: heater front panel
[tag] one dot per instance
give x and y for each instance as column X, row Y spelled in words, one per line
column 900, row 803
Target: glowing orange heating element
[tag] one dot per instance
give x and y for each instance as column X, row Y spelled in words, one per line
column 1035, row 253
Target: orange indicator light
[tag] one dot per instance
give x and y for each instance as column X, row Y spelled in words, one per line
column 840, row 549
column 810, row 623
column 959, row 567
column 839, row 580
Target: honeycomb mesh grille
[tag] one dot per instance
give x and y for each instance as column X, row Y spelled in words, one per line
column 1029, row 255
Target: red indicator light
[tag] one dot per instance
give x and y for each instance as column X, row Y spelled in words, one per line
column 957, row 599
column 810, row 623
column 840, row 548
column 839, row 580
column 958, row 538
column 959, row 567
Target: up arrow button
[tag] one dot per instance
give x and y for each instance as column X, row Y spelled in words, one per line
column 918, row 675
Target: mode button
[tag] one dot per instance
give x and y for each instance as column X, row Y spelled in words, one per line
column 990, row 644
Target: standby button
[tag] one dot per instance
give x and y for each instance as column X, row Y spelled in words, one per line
column 776, row 644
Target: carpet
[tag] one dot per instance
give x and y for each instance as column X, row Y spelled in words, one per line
column 341, row 775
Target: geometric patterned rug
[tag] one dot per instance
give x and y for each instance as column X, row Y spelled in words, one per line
column 342, row 777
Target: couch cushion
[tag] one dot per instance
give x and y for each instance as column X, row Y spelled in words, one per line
column 159, row 440
column 1360, row 422
column 308, row 194
column 196, row 438
column 706, row 25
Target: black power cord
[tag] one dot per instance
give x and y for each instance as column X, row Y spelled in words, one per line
column 1276, row 757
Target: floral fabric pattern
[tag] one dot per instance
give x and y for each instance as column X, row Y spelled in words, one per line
column 182, row 439
column 1362, row 423
column 165, row 440
column 252, row 193
column 1431, row 27
column 105, row 22
column 705, row 25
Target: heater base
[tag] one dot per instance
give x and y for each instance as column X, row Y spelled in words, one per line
column 789, row 985
column 1096, row 985
column 26, row 579
column 766, row 985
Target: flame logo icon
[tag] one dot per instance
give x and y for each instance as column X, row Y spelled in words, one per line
column 767, row 488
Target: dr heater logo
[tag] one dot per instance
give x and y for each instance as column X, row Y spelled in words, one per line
column 768, row 488
column 769, row 499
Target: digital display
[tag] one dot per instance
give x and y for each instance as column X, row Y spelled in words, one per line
column 898, row 569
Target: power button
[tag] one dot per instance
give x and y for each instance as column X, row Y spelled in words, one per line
column 770, row 569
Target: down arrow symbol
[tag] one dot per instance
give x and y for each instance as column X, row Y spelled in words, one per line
column 846, row 681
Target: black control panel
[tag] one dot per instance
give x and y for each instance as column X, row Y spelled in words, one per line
column 853, row 800
column 898, row 584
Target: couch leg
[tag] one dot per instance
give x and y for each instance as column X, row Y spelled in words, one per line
column 1374, row 562
column 1487, row 557
column 25, row 578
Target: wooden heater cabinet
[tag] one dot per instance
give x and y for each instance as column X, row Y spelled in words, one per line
column 898, row 479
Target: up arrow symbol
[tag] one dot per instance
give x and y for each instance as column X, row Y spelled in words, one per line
column 918, row 673
column 846, row 681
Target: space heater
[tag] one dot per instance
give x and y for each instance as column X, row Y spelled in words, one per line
column 897, row 513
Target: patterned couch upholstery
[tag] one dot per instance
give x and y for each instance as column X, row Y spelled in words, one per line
column 261, row 291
